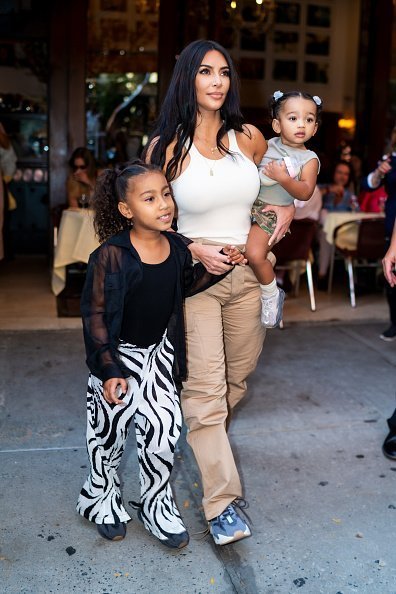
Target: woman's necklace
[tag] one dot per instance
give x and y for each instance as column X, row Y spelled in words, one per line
column 211, row 164
column 212, row 149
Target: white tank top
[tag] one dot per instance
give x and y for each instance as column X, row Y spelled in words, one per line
column 214, row 198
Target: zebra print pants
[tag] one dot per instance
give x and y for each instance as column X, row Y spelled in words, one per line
column 153, row 403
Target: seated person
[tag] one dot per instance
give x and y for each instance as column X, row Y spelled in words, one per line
column 336, row 195
column 82, row 179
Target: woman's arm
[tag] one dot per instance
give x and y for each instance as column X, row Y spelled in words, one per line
column 211, row 257
column 389, row 261
column 252, row 143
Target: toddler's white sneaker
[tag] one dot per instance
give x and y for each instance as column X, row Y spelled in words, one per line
column 272, row 309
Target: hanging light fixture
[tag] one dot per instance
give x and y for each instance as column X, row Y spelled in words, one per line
column 262, row 12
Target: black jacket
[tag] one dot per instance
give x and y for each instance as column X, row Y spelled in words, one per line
column 115, row 268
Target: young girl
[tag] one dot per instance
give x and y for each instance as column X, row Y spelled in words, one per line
column 287, row 171
column 132, row 310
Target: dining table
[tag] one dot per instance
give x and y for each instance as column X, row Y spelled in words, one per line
column 348, row 236
column 76, row 240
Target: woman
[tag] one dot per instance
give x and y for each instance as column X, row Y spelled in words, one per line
column 82, row 179
column 210, row 157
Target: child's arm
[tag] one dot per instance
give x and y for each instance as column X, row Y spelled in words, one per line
column 99, row 346
column 301, row 189
column 235, row 255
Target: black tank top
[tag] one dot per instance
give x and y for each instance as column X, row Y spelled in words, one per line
column 148, row 308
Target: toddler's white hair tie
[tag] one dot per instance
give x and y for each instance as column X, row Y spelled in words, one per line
column 277, row 95
column 317, row 100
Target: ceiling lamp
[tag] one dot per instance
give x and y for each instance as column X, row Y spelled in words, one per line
column 258, row 12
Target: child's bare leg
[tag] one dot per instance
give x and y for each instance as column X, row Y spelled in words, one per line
column 271, row 296
column 256, row 252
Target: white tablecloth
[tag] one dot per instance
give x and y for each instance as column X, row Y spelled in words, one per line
column 348, row 238
column 76, row 241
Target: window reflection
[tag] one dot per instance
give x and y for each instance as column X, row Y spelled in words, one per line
column 121, row 109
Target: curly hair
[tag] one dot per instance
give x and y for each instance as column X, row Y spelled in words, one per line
column 111, row 188
column 275, row 104
column 178, row 115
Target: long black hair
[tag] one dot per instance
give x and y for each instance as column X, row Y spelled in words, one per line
column 178, row 115
column 111, row 188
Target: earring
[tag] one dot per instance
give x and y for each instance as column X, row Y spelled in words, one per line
column 130, row 222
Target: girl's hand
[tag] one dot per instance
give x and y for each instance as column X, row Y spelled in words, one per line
column 211, row 258
column 235, row 255
column 111, row 390
column 284, row 216
column 276, row 170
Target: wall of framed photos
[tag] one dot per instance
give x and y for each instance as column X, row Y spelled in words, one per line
column 306, row 44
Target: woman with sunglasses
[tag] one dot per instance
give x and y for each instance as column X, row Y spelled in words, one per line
column 82, row 178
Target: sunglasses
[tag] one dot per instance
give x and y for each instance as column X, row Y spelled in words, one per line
column 77, row 167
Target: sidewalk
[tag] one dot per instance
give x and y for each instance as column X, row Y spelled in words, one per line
column 322, row 496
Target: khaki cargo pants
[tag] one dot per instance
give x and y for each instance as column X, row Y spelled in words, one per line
column 224, row 341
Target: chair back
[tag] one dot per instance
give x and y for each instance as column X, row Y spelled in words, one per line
column 371, row 239
column 296, row 244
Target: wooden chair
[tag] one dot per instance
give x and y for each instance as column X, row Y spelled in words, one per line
column 369, row 250
column 293, row 248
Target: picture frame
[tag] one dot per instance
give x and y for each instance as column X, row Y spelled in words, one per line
column 285, row 70
column 317, row 44
column 252, row 68
column 287, row 13
column 316, row 72
column 286, row 42
column 318, row 15
column 252, row 40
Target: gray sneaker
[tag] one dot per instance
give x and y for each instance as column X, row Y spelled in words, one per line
column 272, row 309
column 228, row 526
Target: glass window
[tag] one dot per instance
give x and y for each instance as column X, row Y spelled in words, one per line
column 121, row 89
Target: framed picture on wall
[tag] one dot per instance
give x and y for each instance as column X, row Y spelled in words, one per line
column 287, row 13
column 252, row 40
column 252, row 68
column 318, row 15
column 316, row 72
column 285, row 42
column 285, row 70
column 317, row 45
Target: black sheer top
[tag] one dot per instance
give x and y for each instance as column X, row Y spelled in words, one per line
column 148, row 309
